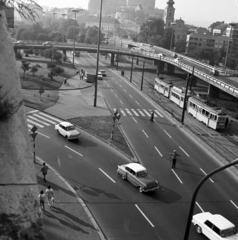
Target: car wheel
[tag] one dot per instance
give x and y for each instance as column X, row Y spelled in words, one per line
column 67, row 137
column 199, row 229
column 123, row 177
column 140, row 189
column 58, row 132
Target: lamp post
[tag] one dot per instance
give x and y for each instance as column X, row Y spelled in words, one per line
column 228, row 45
column 196, row 192
column 99, row 37
column 75, row 12
column 172, row 35
column 54, row 13
column 136, row 25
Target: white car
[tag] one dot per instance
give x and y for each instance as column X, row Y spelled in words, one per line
column 103, row 72
column 67, row 130
column 177, row 59
column 100, row 76
column 214, row 226
column 160, row 55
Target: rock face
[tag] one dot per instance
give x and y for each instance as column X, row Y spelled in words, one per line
column 19, row 208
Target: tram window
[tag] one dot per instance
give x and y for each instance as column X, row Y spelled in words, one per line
column 203, row 112
column 207, row 114
column 215, row 117
column 182, row 99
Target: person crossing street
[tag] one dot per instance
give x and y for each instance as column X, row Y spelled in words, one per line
column 174, row 158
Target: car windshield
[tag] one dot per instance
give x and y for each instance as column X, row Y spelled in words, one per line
column 142, row 173
column 69, row 128
column 228, row 232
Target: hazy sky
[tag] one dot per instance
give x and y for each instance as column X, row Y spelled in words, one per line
column 197, row 12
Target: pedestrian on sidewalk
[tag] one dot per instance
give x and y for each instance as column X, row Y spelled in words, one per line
column 152, row 116
column 42, row 200
column 44, row 170
column 65, row 81
column 50, row 196
column 174, row 158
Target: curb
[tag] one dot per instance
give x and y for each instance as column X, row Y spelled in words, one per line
column 87, row 211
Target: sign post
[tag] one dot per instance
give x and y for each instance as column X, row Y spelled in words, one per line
column 33, row 134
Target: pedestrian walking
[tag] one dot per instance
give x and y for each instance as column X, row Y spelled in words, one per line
column 152, row 116
column 226, row 122
column 50, row 196
column 44, row 170
column 174, row 158
column 65, row 81
column 42, row 199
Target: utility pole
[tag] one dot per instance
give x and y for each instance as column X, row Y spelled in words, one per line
column 142, row 79
column 99, row 37
column 131, row 68
column 186, row 93
column 75, row 11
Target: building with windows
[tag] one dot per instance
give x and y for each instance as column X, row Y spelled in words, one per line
column 169, row 14
column 108, row 24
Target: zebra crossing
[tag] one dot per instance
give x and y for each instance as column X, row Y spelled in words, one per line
column 40, row 120
column 138, row 112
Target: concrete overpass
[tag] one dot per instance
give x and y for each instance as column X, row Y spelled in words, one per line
column 223, row 83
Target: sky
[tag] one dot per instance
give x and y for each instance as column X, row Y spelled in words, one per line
column 201, row 13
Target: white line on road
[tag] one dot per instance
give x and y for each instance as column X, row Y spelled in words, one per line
column 134, row 119
column 158, row 151
column 120, row 86
column 106, row 175
column 234, row 204
column 107, row 85
column 159, row 113
column 74, row 151
column 112, row 90
column 199, row 207
column 59, row 161
column 121, row 102
column 206, row 174
column 125, row 90
column 167, row 134
column 145, row 133
column 137, row 103
column 135, row 112
column 183, row 151
column 130, row 95
column 177, row 176
column 115, row 95
column 144, row 216
column 43, row 135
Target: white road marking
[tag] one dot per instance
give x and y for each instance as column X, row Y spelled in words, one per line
column 38, row 120
column 177, row 176
column 30, row 126
column 34, row 123
column 74, row 151
column 120, row 86
column 43, row 135
column 59, row 161
column 159, row 113
column 144, row 216
column 137, row 103
column 135, row 112
column 116, row 95
column 47, row 120
column 130, row 95
column 158, row 151
column 206, row 175
column 141, row 112
column 145, row 133
column 167, row 134
column 111, row 90
column 121, row 102
column 48, row 116
column 123, row 113
column 234, row 204
column 128, row 111
column 148, row 114
column 107, row 85
column 106, row 175
column 125, row 90
column 134, row 119
column 199, row 207
column 183, row 151
column 154, row 113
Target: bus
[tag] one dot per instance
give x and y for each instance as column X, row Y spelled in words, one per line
column 207, row 113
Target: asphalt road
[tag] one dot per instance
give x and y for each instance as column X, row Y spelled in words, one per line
column 120, row 210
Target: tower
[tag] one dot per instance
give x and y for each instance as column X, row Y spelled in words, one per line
column 169, row 13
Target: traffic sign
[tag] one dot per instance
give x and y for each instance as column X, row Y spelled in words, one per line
column 34, row 129
column 34, row 135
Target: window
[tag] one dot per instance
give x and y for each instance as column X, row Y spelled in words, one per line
column 216, row 230
column 209, row 224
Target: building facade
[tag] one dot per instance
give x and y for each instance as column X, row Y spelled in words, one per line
column 169, row 14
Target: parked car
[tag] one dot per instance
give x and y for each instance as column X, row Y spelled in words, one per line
column 138, row 175
column 160, row 55
column 47, row 43
column 67, row 130
column 100, row 76
column 20, row 42
column 103, row 72
column 214, row 226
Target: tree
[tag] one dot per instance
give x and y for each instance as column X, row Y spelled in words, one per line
column 34, row 69
column 166, row 38
column 180, row 46
column 25, row 67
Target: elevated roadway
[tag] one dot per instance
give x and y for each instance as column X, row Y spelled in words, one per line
column 201, row 70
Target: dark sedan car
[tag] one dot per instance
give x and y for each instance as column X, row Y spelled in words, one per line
column 136, row 174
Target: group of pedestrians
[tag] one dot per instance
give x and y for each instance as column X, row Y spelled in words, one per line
column 48, row 194
column 81, row 73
